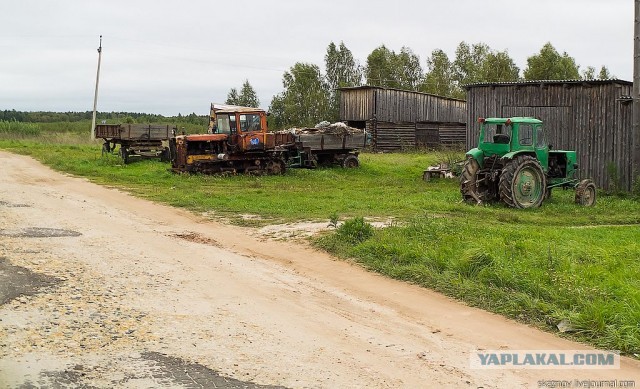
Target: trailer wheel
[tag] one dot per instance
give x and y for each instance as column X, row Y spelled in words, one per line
column 124, row 155
column 586, row 193
column 351, row 161
column 165, row 155
column 105, row 148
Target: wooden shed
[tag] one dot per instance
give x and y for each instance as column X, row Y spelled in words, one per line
column 592, row 117
column 400, row 119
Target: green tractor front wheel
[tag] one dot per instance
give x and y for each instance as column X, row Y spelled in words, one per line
column 586, row 193
column 522, row 183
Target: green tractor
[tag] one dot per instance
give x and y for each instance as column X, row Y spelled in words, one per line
column 514, row 164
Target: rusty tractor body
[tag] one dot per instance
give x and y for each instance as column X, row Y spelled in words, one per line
column 239, row 142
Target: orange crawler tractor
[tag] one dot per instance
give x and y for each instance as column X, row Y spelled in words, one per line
column 239, row 142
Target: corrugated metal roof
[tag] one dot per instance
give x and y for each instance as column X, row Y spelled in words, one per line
column 396, row 89
column 554, row 82
column 240, row 110
column 233, row 108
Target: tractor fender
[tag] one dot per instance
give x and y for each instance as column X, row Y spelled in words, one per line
column 514, row 154
column 476, row 154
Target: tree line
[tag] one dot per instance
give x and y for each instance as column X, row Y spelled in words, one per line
column 120, row 117
column 310, row 96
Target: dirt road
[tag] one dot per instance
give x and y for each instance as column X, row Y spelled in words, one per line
column 101, row 289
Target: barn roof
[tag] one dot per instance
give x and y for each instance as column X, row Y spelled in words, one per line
column 362, row 87
column 549, row 82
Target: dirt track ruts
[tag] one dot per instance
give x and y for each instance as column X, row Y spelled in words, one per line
column 136, row 294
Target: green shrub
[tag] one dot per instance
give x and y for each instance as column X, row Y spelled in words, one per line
column 334, row 219
column 635, row 187
column 614, row 178
column 472, row 263
column 355, row 230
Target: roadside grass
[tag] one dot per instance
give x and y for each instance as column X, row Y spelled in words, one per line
column 539, row 266
column 537, row 274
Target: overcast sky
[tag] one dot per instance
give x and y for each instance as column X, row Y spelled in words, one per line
column 168, row 57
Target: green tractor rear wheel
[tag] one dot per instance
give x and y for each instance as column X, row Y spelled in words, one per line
column 473, row 191
column 522, row 183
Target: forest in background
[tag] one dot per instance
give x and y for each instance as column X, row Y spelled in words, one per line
column 109, row 117
column 309, row 95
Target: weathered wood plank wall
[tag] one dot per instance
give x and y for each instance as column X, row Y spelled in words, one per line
column 399, row 119
column 357, row 104
column 589, row 117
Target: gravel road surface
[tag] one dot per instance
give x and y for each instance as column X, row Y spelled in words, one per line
column 101, row 289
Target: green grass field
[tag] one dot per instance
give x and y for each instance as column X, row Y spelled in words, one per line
column 539, row 266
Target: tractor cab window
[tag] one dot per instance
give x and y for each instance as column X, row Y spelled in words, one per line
column 226, row 124
column 250, row 122
column 223, row 123
column 541, row 142
column 525, row 135
column 497, row 133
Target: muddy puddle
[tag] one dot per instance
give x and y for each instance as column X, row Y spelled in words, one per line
column 171, row 371
column 37, row 232
column 18, row 281
column 149, row 369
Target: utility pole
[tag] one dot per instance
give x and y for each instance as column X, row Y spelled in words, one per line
column 95, row 96
column 635, row 148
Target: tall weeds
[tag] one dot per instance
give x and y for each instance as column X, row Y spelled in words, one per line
column 18, row 129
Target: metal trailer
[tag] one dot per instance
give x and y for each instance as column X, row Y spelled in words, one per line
column 135, row 140
column 313, row 149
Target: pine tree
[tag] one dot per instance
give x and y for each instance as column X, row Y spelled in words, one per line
column 248, row 96
column 232, row 97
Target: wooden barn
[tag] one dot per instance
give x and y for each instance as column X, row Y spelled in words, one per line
column 592, row 117
column 401, row 119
